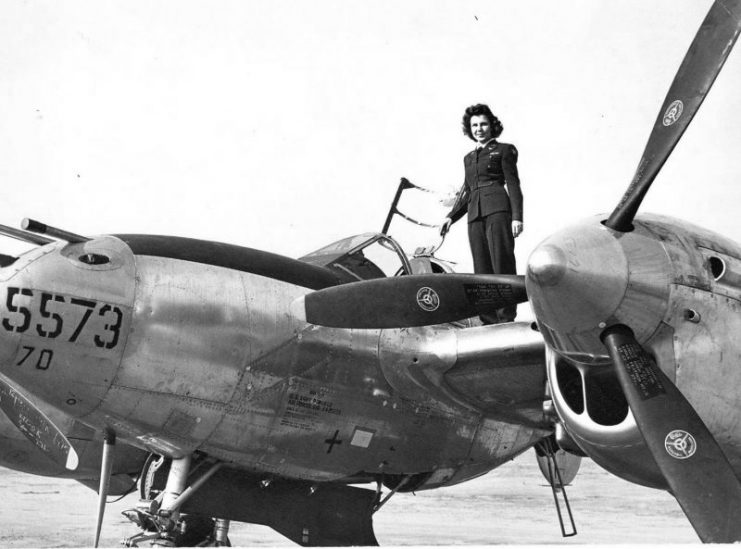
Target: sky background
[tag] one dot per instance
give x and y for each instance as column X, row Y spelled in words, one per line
column 286, row 125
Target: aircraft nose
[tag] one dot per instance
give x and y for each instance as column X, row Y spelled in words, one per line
column 9, row 336
column 65, row 312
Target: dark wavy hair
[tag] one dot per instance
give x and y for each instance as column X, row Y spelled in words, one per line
column 478, row 110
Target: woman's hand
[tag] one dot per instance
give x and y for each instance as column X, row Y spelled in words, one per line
column 517, row 228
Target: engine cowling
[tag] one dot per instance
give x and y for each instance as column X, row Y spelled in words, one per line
column 581, row 280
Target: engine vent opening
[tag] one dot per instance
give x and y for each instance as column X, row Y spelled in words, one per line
column 717, row 267
column 606, row 403
column 570, row 383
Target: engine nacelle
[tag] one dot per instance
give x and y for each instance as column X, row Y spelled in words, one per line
column 677, row 287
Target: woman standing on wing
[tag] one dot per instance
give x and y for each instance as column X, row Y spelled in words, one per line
column 494, row 214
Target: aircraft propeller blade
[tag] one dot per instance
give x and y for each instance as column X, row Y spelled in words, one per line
column 413, row 300
column 697, row 471
column 696, row 75
column 105, row 480
column 37, row 428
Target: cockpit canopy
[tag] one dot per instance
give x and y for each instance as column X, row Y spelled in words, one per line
column 362, row 257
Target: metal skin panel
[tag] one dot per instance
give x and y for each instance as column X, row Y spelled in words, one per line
column 692, row 333
column 498, row 370
column 180, row 353
column 198, row 327
column 193, row 329
column 337, row 416
column 501, row 370
column 320, row 380
column 494, row 443
column 414, row 361
column 700, row 347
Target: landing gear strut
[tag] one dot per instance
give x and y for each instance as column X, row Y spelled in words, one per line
column 307, row 513
column 158, row 512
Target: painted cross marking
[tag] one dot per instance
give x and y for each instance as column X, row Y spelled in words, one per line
column 332, row 441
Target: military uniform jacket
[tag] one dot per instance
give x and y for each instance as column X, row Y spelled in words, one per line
column 487, row 170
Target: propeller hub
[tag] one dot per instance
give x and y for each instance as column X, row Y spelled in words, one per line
column 587, row 277
column 577, row 277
